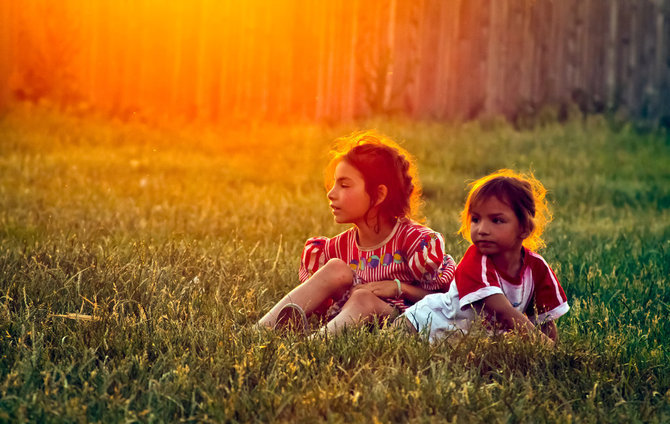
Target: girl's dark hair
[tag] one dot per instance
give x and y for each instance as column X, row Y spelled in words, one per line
column 523, row 193
column 381, row 161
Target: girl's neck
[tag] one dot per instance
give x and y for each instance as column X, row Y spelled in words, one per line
column 510, row 262
column 368, row 237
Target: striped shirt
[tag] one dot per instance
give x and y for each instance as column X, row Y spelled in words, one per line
column 412, row 253
column 535, row 292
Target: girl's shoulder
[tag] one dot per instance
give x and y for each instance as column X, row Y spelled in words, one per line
column 407, row 226
column 323, row 241
column 535, row 261
column 471, row 256
column 533, row 255
column 417, row 237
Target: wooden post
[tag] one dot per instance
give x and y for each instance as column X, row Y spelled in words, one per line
column 612, row 50
column 662, row 61
column 351, row 92
column 494, row 63
column 8, row 50
column 390, row 45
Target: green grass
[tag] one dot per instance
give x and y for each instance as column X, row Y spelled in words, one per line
column 177, row 240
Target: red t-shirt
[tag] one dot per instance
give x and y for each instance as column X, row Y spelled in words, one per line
column 536, row 292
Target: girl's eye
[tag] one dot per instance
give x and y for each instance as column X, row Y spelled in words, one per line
column 498, row 220
column 474, row 219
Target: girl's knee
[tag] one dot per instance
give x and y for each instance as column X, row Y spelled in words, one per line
column 363, row 304
column 338, row 273
column 337, row 264
column 361, row 298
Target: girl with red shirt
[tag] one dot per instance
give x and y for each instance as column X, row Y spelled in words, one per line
column 385, row 261
column 500, row 276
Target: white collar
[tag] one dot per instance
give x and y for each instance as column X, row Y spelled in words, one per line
column 381, row 243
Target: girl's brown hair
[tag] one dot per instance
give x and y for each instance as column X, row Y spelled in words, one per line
column 523, row 193
column 381, row 161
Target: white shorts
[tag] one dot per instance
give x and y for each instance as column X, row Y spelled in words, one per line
column 438, row 315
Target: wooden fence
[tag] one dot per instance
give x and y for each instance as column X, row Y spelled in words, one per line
column 335, row 60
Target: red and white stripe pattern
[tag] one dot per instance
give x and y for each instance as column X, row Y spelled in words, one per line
column 536, row 292
column 412, row 253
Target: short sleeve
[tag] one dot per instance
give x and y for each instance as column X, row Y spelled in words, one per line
column 313, row 257
column 550, row 299
column 476, row 278
column 430, row 266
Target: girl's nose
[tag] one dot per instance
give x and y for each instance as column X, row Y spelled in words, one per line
column 331, row 193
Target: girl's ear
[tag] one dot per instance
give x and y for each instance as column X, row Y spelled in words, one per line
column 527, row 230
column 382, row 192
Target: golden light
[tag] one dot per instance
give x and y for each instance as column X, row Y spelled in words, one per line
column 206, row 59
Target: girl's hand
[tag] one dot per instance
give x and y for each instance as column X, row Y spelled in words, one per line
column 549, row 329
column 387, row 289
column 501, row 313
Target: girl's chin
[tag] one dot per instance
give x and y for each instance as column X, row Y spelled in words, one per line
column 486, row 248
column 339, row 220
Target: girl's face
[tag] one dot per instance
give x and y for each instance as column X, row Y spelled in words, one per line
column 348, row 199
column 494, row 228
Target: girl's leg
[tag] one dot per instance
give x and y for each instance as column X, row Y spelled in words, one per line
column 363, row 306
column 404, row 323
column 331, row 280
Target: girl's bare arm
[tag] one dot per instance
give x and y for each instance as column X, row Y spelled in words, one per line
column 389, row 289
column 550, row 330
column 500, row 311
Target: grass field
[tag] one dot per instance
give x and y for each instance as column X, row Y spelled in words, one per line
column 171, row 243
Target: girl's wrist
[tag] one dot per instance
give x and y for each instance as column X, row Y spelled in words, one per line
column 399, row 287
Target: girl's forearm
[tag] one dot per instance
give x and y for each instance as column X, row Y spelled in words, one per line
column 549, row 329
column 413, row 293
column 501, row 311
column 520, row 322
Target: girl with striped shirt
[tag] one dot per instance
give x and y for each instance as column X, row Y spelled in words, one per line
column 500, row 276
column 385, row 261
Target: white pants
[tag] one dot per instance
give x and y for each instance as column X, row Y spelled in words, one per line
column 439, row 315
